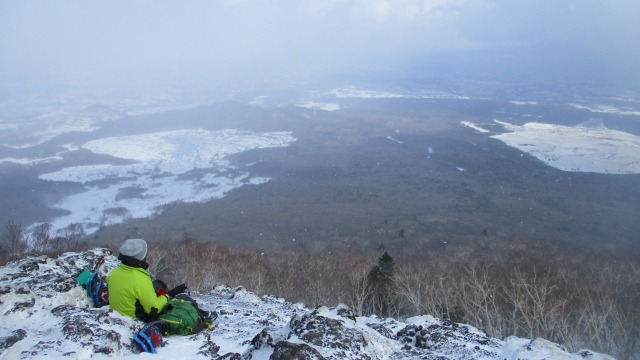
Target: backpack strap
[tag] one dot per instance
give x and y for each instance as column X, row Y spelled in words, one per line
column 96, row 294
column 90, row 286
column 94, row 287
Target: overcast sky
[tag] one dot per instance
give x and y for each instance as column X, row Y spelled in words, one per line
column 146, row 39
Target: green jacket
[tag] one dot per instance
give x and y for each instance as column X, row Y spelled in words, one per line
column 128, row 284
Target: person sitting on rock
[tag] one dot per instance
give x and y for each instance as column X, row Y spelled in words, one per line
column 131, row 289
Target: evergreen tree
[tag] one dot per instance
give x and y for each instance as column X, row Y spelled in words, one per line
column 383, row 299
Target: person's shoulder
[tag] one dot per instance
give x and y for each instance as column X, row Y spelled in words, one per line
column 122, row 268
column 141, row 271
column 116, row 269
column 116, row 273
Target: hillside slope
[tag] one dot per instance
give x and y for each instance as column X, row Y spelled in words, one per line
column 45, row 314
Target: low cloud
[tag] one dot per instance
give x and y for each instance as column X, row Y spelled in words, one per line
column 124, row 41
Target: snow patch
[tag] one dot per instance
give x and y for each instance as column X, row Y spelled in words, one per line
column 319, row 105
column 608, row 109
column 577, row 148
column 520, row 102
column 50, row 125
column 160, row 173
column 353, row 92
column 474, row 126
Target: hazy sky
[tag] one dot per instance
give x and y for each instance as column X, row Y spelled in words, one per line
column 148, row 39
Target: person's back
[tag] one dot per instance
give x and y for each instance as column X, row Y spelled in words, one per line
column 131, row 290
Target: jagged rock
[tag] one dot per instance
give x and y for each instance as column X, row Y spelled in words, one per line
column 383, row 330
column 345, row 312
column 435, row 336
column 18, row 306
column 45, row 313
column 229, row 356
column 87, row 326
column 262, row 339
column 14, row 337
column 330, row 333
column 209, row 348
column 285, row 350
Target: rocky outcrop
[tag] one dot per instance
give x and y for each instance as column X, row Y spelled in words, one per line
column 45, row 313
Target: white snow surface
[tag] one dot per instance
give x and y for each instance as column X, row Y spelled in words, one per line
column 159, row 172
column 47, row 315
column 609, row 109
column 52, row 124
column 353, row 92
column 474, row 126
column 320, row 105
column 574, row 148
column 523, row 102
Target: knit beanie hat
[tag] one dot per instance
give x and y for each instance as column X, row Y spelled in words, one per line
column 136, row 248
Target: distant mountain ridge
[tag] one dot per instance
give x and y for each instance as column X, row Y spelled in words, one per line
column 46, row 314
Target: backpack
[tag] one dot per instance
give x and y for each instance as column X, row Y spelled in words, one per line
column 96, row 287
column 183, row 317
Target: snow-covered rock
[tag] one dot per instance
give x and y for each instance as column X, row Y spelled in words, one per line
column 45, row 314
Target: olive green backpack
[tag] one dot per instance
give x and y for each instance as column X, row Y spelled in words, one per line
column 182, row 317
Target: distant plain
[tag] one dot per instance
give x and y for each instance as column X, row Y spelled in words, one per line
column 378, row 171
column 401, row 175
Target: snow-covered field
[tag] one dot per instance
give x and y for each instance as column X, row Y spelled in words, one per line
column 159, row 173
column 320, row 105
column 609, row 109
column 573, row 148
column 45, row 314
column 474, row 126
column 29, row 133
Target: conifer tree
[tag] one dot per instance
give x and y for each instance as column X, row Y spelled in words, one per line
column 383, row 299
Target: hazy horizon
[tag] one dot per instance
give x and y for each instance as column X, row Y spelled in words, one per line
column 245, row 43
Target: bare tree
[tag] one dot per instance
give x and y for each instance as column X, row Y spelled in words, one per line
column 536, row 301
column 41, row 238
column 72, row 239
column 14, row 240
column 480, row 297
column 360, row 292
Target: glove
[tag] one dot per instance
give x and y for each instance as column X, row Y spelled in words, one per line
column 162, row 292
column 178, row 290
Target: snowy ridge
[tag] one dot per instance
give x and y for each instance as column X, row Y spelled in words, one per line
column 45, row 314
